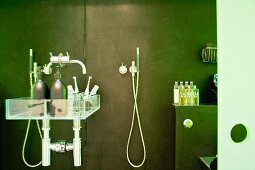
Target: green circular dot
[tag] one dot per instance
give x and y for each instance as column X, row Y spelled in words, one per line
column 238, row 133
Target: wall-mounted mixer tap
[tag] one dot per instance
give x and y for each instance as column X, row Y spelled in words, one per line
column 62, row 60
column 62, row 146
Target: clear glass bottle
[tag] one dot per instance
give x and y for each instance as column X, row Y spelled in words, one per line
column 196, row 96
column 188, row 95
column 191, row 93
column 176, row 93
column 181, row 94
column 186, row 85
column 181, row 85
column 191, row 85
column 185, row 94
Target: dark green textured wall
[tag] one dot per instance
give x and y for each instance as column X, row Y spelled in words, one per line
column 170, row 35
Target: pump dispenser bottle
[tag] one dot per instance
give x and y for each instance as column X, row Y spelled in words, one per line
column 40, row 90
column 58, row 88
column 58, row 92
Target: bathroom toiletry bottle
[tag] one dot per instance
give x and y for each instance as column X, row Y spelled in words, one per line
column 40, row 90
column 181, row 85
column 188, row 94
column 186, row 85
column 70, row 92
column 70, row 95
column 176, row 93
column 196, row 96
column 185, row 93
column 58, row 93
column 181, row 93
column 192, row 94
column 58, row 88
column 191, row 84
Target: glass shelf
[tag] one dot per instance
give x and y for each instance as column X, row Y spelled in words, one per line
column 56, row 109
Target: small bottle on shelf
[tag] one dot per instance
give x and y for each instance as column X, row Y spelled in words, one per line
column 185, row 94
column 191, row 93
column 196, row 96
column 188, row 94
column 186, row 85
column 191, row 85
column 176, row 93
column 181, row 94
column 181, row 85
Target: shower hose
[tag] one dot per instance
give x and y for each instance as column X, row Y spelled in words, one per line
column 26, row 135
column 136, row 112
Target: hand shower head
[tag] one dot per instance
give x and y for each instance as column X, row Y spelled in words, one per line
column 31, row 60
column 137, row 59
column 133, row 68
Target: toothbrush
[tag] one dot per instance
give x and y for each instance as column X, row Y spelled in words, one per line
column 86, row 93
column 94, row 90
column 76, row 90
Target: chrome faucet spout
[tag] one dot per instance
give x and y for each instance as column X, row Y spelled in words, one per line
column 61, row 59
column 81, row 64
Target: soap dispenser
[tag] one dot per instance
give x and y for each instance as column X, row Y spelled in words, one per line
column 40, row 90
column 58, row 88
column 58, row 94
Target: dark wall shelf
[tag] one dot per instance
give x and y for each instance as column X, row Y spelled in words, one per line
column 197, row 141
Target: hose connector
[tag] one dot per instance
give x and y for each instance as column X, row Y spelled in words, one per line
column 133, row 68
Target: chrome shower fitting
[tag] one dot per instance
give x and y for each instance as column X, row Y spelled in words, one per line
column 75, row 108
column 133, row 68
column 123, row 69
column 61, row 60
column 61, row 146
